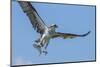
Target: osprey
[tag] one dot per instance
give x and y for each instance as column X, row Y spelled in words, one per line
column 46, row 32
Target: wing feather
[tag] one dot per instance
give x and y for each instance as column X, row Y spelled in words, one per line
column 33, row 16
column 68, row 35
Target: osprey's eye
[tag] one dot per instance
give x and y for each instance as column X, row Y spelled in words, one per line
column 56, row 26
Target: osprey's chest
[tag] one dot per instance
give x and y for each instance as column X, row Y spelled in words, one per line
column 51, row 31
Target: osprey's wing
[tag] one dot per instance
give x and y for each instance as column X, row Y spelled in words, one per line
column 68, row 35
column 33, row 16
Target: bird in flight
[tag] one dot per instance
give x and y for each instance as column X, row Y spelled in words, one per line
column 46, row 32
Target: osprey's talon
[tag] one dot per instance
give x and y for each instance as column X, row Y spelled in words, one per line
column 38, row 47
column 45, row 52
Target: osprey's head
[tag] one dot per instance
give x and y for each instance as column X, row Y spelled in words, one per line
column 54, row 25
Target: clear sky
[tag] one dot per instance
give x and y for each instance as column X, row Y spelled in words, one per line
column 70, row 19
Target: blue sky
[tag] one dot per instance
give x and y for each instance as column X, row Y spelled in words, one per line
column 70, row 19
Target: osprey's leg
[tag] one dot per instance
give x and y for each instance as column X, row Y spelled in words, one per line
column 38, row 48
column 40, row 44
column 45, row 47
column 42, row 41
column 46, row 44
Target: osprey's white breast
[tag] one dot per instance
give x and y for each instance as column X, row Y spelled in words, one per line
column 49, row 32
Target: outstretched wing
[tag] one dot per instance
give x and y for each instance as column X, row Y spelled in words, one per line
column 68, row 35
column 33, row 16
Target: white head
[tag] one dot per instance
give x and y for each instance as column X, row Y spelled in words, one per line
column 54, row 25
